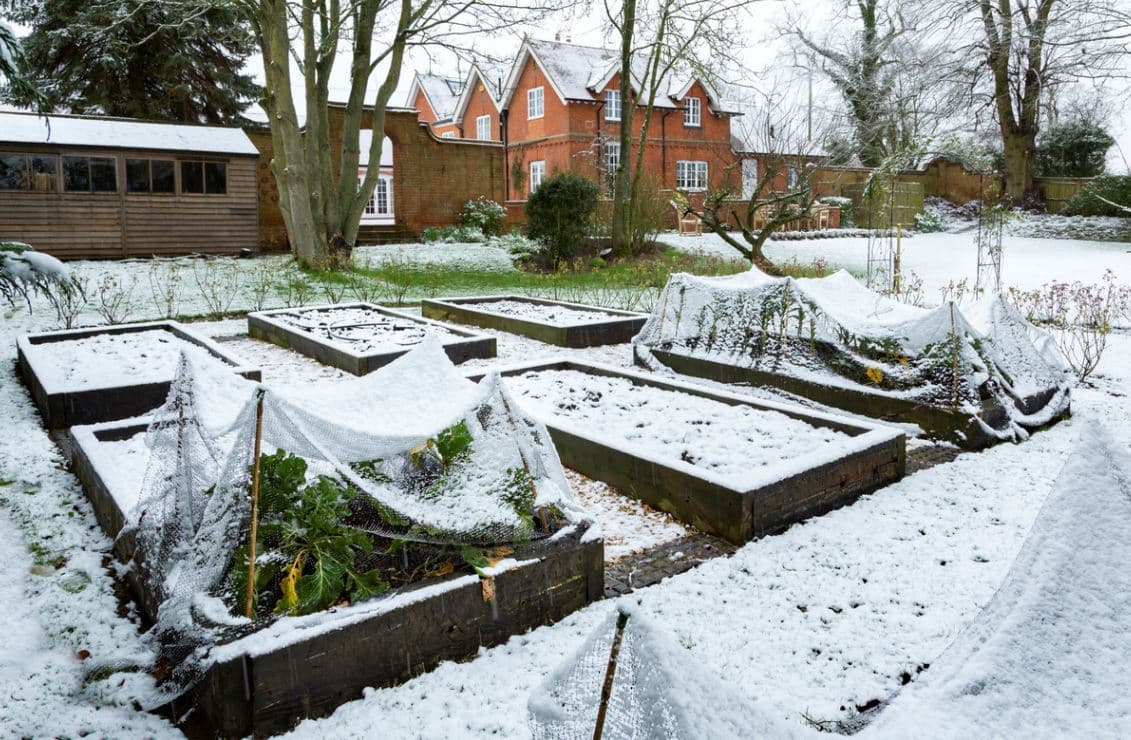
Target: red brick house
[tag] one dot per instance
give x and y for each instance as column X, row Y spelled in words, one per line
column 477, row 113
column 562, row 112
column 434, row 99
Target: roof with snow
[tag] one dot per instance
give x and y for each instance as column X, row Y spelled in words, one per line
column 442, row 94
column 122, row 133
column 474, row 77
column 579, row 72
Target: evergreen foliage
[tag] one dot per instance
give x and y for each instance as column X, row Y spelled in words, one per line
column 138, row 59
column 1073, row 149
column 559, row 215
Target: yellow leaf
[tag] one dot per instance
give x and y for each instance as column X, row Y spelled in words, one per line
column 288, row 584
column 875, row 375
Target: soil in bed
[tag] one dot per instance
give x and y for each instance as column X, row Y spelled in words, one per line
column 543, row 313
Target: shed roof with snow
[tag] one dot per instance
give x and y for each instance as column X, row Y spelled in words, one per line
column 122, row 133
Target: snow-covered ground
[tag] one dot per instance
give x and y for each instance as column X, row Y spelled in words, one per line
column 940, row 258
column 831, row 614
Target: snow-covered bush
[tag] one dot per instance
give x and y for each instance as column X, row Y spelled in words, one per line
column 484, row 214
column 929, row 220
column 453, row 235
column 24, row 272
column 516, row 244
column 1109, row 195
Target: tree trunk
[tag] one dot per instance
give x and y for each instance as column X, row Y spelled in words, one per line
column 1018, row 164
column 621, row 232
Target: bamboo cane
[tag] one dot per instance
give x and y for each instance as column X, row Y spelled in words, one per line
column 250, row 608
column 897, row 278
column 610, row 672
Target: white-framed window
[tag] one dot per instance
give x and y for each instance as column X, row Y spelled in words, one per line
column 612, row 159
column 537, row 172
column 691, row 112
column 792, row 177
column 483, row 128
column 612, row 105
column 448, row 135
column 535, row 102
column 749, row 177
column 690, row 175
column 380, row 204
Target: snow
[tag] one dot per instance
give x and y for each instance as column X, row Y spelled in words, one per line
column 628, row 526
column 131, row 358
column 879, row 562
column 542, row 313
column 360, row 329
column 732, row 441
column 28, row 128
column 1047, row 655
column 938, row 259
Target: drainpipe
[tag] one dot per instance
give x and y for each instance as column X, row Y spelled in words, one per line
column 506, row 156
column 664, row 143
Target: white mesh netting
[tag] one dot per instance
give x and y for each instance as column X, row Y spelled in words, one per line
column 835, row 331
column 364, row 484
column 657, row 692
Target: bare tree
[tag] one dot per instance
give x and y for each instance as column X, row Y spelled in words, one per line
column 1028, row 48
column 657, row 39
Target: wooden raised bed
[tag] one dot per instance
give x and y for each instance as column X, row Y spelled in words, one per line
column 941, row 423
column 616, row 327
column 814, row 482
column 264, row 325
column 301, row 667
column 120, row 399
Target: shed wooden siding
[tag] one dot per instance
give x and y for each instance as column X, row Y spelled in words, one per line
column 112, row 225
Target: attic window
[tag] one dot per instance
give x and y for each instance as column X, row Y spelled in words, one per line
column 535, row 102
column 454, row 86
column 612, row 105
column 691, row 112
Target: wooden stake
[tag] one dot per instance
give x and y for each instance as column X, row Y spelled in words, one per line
column 896, row 277
column 607, row 688
column 250, row 608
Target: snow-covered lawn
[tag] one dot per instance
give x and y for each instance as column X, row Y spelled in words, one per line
column 817, row 620
column 940, row 258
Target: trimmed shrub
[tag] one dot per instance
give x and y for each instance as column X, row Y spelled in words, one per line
column 453, row 235
column 1073, row 149
column 1115, row 188
column 559, row 215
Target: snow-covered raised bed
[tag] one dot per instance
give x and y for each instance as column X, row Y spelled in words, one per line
column 85, row 376
column 554, row 322
column 306, row 666
column 728, row 464
column 361, row 337
column 971, row 375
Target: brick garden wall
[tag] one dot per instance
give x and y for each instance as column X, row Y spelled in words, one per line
column 432, row 177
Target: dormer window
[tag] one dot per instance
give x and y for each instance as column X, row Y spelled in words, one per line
column 691, row 112
column 535, row 102
column 612, row 105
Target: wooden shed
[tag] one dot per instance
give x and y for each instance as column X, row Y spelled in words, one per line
column 81, row 187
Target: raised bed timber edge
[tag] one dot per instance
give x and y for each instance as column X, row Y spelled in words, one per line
column 303, row 667
column 125, row 398
column 263, row 325
column 616, row 327
column 814, row 482
column 957, row 427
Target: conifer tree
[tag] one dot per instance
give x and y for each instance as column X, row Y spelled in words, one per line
column 139, row 59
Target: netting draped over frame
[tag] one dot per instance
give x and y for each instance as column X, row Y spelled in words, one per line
column 835, row 331
column 431, row 456
column 658, row 692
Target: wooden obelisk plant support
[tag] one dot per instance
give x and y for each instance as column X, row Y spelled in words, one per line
column 250, row 607
column 610, row 673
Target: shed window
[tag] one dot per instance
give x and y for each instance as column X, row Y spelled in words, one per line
column 28, row 172
column 149, row 176
column 90, row 174
column 210, row 178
